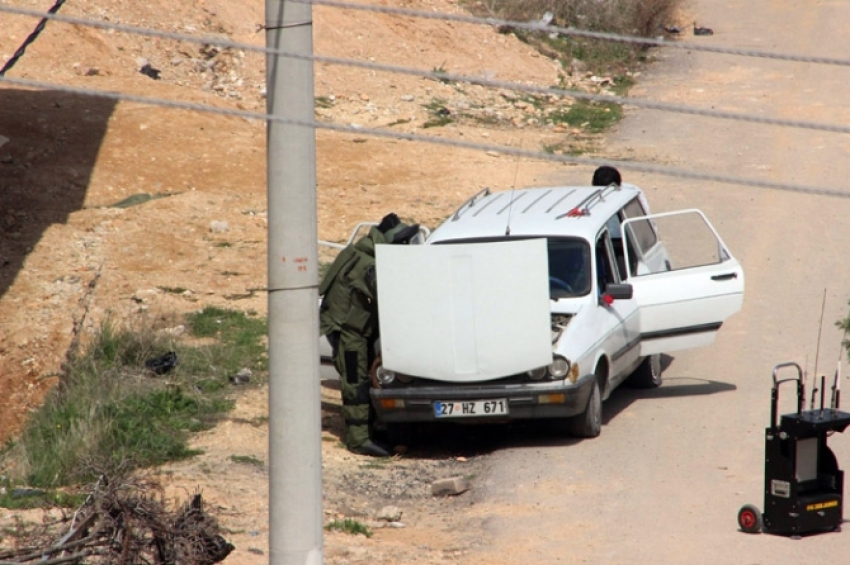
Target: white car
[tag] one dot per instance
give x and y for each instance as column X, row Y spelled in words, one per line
column 538, row 303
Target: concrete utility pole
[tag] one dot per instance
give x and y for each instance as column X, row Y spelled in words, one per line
column 295, row 456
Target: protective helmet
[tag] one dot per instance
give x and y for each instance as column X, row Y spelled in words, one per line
column 402, row 233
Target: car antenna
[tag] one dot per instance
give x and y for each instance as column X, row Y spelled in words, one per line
column 817, row 352
column 511, row 203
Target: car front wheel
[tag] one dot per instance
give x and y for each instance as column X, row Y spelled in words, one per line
column 589, row 423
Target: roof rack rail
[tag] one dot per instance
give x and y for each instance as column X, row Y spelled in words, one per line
column 583, row 207
column 471, row 202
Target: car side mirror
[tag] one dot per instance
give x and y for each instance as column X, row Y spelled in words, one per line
column 614, row 292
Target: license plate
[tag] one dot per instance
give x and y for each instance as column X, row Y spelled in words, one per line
column 470, row 408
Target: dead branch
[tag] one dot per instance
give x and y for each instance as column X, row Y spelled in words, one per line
column 128, row 522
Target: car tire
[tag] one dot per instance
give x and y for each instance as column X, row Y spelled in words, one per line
column 648, row 373
column 589, row 423
column 399, row 434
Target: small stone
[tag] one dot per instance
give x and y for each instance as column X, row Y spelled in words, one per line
column 493, row 153
column 452, row 486
column 142, row 295
column 389, row 514
column 256, row 551
column 396, row 525
column 93, row 72
column 364, row 97
column 219, row 226
column 408, row 98
column 176, row 331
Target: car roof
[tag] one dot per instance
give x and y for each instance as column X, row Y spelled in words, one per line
column 549, row 211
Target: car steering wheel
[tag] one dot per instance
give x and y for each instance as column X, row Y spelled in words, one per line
column 555, row 282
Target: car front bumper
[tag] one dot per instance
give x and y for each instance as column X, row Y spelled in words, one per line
column 559, row 399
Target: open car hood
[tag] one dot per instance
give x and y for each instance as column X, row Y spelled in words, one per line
column 464, row 312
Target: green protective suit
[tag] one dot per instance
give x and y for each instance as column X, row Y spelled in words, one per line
column 349, row 317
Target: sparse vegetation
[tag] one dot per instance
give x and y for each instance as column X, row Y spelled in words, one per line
column 642, row 18
column 595, row 117
column 323, row 102
column 108, row 406
column 441, row 70
column 246, row 460
column 349, row 526
column 440, row 114
column 844, row 324
column 25, row 498
column 172, row 289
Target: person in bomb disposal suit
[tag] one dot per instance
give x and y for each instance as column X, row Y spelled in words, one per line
column 349, row 318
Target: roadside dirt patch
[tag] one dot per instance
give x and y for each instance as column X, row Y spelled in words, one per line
column 74, row 250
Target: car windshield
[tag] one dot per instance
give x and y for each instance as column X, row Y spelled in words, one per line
column 569, row 264
column 569, row 268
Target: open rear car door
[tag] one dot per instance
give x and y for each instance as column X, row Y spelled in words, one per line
column 685, row 281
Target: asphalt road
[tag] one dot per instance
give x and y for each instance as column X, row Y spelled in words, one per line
column 664, row 481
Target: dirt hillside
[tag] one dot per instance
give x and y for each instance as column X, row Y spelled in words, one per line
column 73, row 249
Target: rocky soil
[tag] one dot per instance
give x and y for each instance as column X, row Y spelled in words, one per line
column 74, row 249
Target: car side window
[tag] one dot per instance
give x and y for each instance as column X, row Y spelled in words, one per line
column 606, row 272
column 615, row 233
column 641, row 233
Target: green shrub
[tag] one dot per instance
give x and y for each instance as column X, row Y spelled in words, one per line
column 107, row 407
column 351, row 526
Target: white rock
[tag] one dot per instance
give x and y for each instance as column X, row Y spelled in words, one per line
column 219, row 226
column 449, row 487
column 389, row 514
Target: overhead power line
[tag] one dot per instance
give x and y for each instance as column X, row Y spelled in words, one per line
column 571, row 31
column 791, row 57
column 539, row 155
column 30, row 38
column 441, row 76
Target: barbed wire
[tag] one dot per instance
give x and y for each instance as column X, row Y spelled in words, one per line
column 443, row 76
column 571, row 31
column 358, row 130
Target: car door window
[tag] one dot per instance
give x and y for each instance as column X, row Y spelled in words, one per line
column 642, row 236
column 687, row 240
column 606, row 272
column 691, row 285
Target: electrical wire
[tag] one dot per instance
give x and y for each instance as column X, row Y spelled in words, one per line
column 570, row 31
column 625, row 165
column 441, row 76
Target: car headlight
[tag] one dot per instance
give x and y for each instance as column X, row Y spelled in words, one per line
column 559, row 367
column 384, row 375
column 536, row 374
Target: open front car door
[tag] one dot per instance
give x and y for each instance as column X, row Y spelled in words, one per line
column 685, row 281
